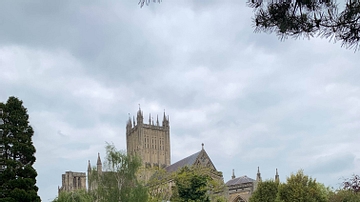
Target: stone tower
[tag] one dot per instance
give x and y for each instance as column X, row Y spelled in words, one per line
column 151, row 142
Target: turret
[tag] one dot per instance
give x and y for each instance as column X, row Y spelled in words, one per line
column 139, row 117
column 89, row 167
column 88, row 175
column 233, row 175
column 277, row 179
column 129, row 124
column 165, row 122
column 258, row 175
column 157, row 120
column 99, row 165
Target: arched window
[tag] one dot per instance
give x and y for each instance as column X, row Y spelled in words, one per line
column 239, row 199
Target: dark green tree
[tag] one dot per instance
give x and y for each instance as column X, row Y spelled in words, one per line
column 266, row 191
column 118, row 182
column 17, row 179
column 301, row 188
column 305, row 18
column 191, row 186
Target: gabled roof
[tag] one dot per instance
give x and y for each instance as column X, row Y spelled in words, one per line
column 239, row 180
column 188, row 161
column 199, row 158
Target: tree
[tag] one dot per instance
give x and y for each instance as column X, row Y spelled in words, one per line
column 17, row 179
column 352, row 184
column 197, row 183
column 158, row 185
column 147, row 2
column 190, row 186
column 301, row 188
column 265, row 192
column 349, row 192
column 344, row 196
column 119, row 181
column 308, row 19
column 75, row 196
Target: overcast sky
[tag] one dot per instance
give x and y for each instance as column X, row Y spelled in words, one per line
column 81, row 66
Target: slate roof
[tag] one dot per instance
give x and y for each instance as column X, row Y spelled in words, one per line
column 188, row 161
column 239, row 180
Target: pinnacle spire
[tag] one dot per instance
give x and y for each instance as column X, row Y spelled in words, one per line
column 89, row 166
column 258, row 175
column 233, row 174
column 98, row 160
column 277, row 179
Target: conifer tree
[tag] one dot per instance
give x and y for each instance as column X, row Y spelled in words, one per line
column 17, row 178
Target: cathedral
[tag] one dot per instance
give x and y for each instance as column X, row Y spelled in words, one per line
column 151, row 142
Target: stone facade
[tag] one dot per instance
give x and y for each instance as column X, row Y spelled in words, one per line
column 151, row 142
column 241, row 188
column 72, row 181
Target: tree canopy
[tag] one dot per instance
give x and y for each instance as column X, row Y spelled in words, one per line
column 17, row 175
column 118, row 182
column 75, row 196
column 196, row 184
column 301, row 188
column 266, row 191
column 304, row 18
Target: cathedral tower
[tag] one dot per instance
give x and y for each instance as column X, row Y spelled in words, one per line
column 151, row 142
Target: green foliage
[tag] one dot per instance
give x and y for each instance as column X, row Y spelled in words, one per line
column 158, row 186
column 344, row 196
column 309, row 19
column 190, row 186
column 75, row 196
column 266, row 192
column 352, row 184
column 301, row 188
column 17, row 179
column 119, row 182
column 196, row 184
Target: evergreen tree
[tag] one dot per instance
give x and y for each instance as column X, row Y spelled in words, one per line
column 309, row 18
column 17, row 179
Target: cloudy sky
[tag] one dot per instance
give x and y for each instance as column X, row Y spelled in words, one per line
column 81, row 66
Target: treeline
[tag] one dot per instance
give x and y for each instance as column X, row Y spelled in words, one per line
column 302, row 188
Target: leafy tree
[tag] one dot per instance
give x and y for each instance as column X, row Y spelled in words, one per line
column 119, row 181
column 352, row 184
column 349, row 192
column 309, row 18
column 301, row 188
column 344, row 196
column 17, row 177
column 265, row 192
column 158, row 186
column 197, row 183
column 190, row 186
column 75, row 196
